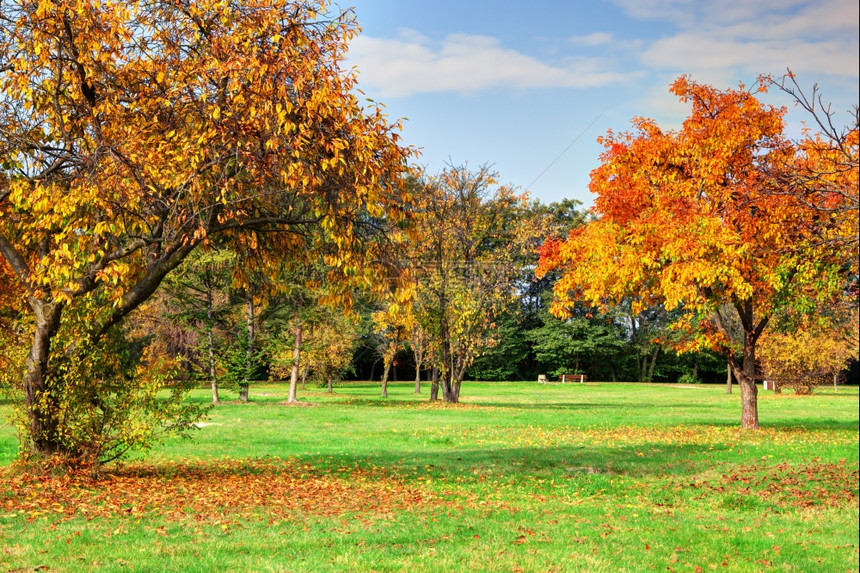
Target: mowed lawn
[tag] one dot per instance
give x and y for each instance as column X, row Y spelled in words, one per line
column 518, row 477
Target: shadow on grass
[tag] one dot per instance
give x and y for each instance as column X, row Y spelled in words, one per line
column 523, row 464
column 765, row 424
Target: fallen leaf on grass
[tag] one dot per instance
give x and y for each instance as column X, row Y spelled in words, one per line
column 210, row 492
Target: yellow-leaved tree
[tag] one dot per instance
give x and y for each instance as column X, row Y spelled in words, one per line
column 472, row 239
column 132, row 133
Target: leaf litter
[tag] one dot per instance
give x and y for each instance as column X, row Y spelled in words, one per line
column 208, row 491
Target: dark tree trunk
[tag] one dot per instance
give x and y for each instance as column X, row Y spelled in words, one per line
column 650, row 377
column 330, row 385
column 747, row 373
column 749, row 391
column 40, row 402
column 434, row 384
column 451, row 383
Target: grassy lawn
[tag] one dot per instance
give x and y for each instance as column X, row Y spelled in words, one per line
column 519, row 477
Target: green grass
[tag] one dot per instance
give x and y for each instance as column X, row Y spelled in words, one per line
column 520, row 476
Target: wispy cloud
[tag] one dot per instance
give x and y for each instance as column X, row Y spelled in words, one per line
column 812, row 37
column 593, row 39
column 412, row 64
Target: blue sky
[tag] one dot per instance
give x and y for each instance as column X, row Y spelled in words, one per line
column 513, row 83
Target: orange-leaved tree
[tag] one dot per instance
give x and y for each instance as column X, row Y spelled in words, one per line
column 690, row 219
column 133, row 132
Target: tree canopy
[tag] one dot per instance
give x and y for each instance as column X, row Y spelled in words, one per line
column 696, row 219
column 132, row 133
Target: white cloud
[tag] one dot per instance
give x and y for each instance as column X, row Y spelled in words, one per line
column 812, row 37
column 413, row 64
column 703, row 55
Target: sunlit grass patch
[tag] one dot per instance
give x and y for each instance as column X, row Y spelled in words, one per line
column 600, row 477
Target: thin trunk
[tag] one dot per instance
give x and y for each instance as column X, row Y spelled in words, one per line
column 434, row 384
column 331, row 385
column 835, row 381
column 212, row 377
column 249, row 353
column 385, row 379
column 418, row 352
column 650, row 377
column 304, row 377
column 297, row 353
column 728, row 377
column 641, row 360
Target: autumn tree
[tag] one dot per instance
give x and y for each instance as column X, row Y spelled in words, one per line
column 465, row 253
column 392, row 326
column 690, row 220
column 131, row 133
column 810, row 355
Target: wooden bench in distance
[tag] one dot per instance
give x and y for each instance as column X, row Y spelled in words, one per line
column 572, row 378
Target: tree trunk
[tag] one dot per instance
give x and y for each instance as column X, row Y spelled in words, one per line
column 249, row 352
column 385, row 379
column 746, row 374
column 650, row 377
column 41, row 404
column 213, row 380
column 728, row 377
column 451, row 387
column 331, row 385
column 434, row 384
column 419, row 361
column 297, row 352
column 749, row 391
column 835, row 381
